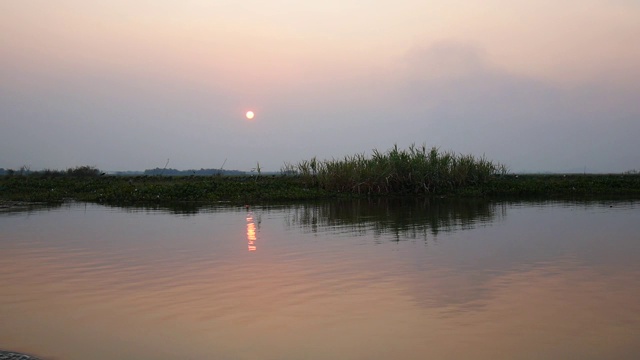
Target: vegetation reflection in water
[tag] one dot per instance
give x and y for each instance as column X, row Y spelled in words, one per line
column 398, row 218
column 391, row 218
column 395, row 218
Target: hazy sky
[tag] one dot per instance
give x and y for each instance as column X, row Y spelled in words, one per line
column 125, row 85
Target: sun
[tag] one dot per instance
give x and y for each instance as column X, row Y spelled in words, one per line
column 250, row 115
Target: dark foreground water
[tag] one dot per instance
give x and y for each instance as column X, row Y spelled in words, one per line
column 363, row 280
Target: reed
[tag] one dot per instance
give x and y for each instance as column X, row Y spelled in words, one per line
column 416, row 170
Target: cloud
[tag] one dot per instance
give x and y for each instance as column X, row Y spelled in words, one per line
column 462, row 101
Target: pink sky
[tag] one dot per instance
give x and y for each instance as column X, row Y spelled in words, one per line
column 540, row 86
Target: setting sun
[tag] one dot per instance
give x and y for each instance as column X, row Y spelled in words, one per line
column 250, row 115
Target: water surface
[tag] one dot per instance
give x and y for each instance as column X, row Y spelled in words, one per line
column 341, row 280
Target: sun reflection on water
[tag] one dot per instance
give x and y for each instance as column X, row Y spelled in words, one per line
column 251, row 232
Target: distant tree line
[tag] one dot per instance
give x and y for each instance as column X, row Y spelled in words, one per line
column 24, row 170
column 91, row 171
column 201, row 172
column 77, row 172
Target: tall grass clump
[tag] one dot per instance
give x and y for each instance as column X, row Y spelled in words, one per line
column 83, row 172
column 416, row 170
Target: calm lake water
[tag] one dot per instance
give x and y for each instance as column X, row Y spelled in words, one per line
column 341, row 280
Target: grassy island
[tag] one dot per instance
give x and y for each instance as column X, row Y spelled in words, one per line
column 417, row 171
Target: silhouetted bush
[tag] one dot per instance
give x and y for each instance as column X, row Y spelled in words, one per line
column 418, row 170
column 83, row 172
